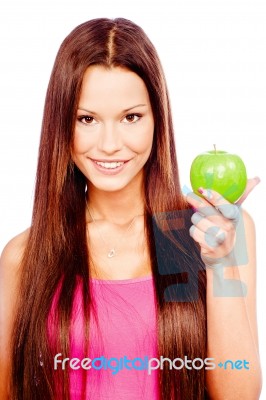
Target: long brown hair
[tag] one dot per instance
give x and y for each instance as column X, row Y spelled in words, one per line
column 57, row 251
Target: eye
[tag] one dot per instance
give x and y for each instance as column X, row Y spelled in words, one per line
column 86, row 119
column 132, row 118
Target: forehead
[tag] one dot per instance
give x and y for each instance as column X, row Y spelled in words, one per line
column 115, row 85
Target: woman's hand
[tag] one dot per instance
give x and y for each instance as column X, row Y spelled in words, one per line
column 226, row 235
column 215, row 222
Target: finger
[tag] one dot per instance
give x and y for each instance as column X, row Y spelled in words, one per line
column 208, row 240
column 198, row 236
column 194, row 200
column 214, row 236
column 201, row 222
column 230, row 211
column 213, row 227
column 227, row 209
column 200, row 204
column 250, row 186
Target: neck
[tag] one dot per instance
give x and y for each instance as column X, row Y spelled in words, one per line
column 118, row 206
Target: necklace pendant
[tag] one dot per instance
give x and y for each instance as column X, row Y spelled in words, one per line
column 111, row 253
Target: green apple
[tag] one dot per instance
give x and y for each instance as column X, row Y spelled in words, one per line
column 221, row 171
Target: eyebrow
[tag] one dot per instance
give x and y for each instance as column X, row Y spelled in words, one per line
column 126, row 110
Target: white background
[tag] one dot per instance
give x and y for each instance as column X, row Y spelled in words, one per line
column 213, row 54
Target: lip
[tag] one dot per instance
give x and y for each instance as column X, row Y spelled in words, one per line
column 106, row 160
column 109, row 171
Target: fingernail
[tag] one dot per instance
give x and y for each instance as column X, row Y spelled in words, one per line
column 205, row 192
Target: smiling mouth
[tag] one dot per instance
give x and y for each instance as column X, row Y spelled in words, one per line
column 110, row 164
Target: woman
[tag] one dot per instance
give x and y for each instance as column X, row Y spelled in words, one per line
column 110, row 266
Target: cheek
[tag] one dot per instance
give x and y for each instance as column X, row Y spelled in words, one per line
column 141, row 141
column 82, row 142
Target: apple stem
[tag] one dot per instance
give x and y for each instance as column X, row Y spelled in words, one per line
column 214, row 148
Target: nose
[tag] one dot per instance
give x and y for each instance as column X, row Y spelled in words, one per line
column 110, row 139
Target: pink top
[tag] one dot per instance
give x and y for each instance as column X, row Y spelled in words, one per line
column 126, row 333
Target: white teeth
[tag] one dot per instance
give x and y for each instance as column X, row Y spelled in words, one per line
column 109, row 165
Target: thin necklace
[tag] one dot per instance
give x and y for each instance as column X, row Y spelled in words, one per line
column 112, row 252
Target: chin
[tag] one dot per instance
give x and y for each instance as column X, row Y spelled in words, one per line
column 107, row 184
column 111, row 187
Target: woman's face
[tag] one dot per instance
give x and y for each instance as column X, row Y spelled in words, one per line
column 114, row 128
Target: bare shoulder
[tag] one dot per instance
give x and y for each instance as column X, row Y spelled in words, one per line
column 249, row 231
column 247, row 244
column 13, row 251
column 247, row 218
column 248, row 270
column 10, row 261
column 10, row 272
